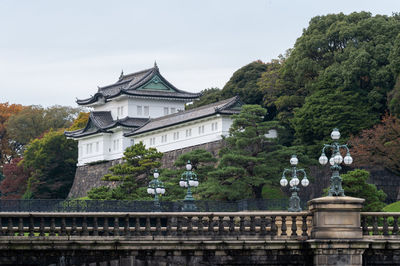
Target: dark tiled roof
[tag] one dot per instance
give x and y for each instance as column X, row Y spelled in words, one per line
column 102, row 121
column 228, row 106
column 129, row 84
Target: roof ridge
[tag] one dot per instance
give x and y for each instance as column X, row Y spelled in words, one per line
column 135, row 73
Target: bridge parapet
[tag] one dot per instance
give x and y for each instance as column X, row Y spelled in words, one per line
column 206, row 224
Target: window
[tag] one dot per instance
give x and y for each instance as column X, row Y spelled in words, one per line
column 146, row 110
column 201, row 130
column 173, row 110
column 152, row 141
column 165, row 110
column 214, row 126
column 97, row 146
column 164, row 138
column 176, row 135
column 80, row 150
column 89, row 148
column 116, row 144
column 122, row 111
column 139, row 110
column 188, row 132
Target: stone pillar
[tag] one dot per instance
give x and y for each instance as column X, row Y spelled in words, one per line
column 336, row 236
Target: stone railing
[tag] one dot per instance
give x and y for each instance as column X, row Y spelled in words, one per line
column 380, row 224
column 211, row 225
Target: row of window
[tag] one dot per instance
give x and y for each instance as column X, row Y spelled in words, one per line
column 94, row 147
column 145, row 110
column 188, row 133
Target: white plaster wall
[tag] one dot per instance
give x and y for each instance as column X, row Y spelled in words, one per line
column 223, row 123
column 113, row 107
column 156, row 106
column 107, row 150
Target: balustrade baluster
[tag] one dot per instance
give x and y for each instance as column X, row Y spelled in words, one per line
column 169, row 225
column 252, row 225
column 242, row 228
column 41, row 227
column 1, row 227
column 200, row 226
column 231, row 225
column 375, row 226
column 221, row 229
column 210, row 224
column 116, row 226
column 95, row 226
column 364, row 225
column 283, row 226
column 63, row 229
column 263, row 223
column 74, row 231
column 127, row 230
column 179, row 226
column 395, row 226
column 10, row 228
column 148, row 227
column 105, row 227
column 137, row 226
column 31, row 226
column 158, row 226
column 294, row 226
column 20, row 226
column 385, row 226
column 52, row 226
column 85, row 231
column 274, row 228
column 189, row 226
column 304, row 225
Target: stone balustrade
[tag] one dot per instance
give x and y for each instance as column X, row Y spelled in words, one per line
column 211, row 224
column 380, row 224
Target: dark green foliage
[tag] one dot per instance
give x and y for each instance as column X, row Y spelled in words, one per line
column 244, row 83
column 355, row 185
column 325, row 110
column 394, row 99
column 250, row 163
column 208, row 96
column 202, row 162
column 52, row 162
column 134, row 175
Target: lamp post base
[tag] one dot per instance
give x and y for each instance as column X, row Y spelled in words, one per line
column 189, row 206
column 294, row 201
column 336, row 188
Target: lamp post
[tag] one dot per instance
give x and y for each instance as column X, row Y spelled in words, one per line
column 294, row 201
column 156, row 188
column 335, row 161
column 189, row 179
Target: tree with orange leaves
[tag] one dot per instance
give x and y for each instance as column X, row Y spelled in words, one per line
column 8, row 148
column 379, row 145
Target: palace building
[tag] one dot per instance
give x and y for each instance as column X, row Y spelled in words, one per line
column 144, row 106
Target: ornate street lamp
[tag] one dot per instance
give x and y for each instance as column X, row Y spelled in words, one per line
column 189, row 179
column 156, row 188
column 335, row 161
column 294, row 201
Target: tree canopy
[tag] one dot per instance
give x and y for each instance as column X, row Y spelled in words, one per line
column 51, row 161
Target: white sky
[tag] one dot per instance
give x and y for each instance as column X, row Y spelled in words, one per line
column 54, row 51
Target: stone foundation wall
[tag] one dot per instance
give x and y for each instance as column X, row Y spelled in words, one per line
column 89, row 176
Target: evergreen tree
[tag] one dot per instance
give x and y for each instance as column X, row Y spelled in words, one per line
column 134, row 175
column 355, row 185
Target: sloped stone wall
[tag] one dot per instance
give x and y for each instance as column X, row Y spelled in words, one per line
column 89, row 176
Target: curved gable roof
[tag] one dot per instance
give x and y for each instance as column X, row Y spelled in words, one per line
column 132, row 84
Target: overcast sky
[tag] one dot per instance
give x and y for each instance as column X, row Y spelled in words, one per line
column 54, row 51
